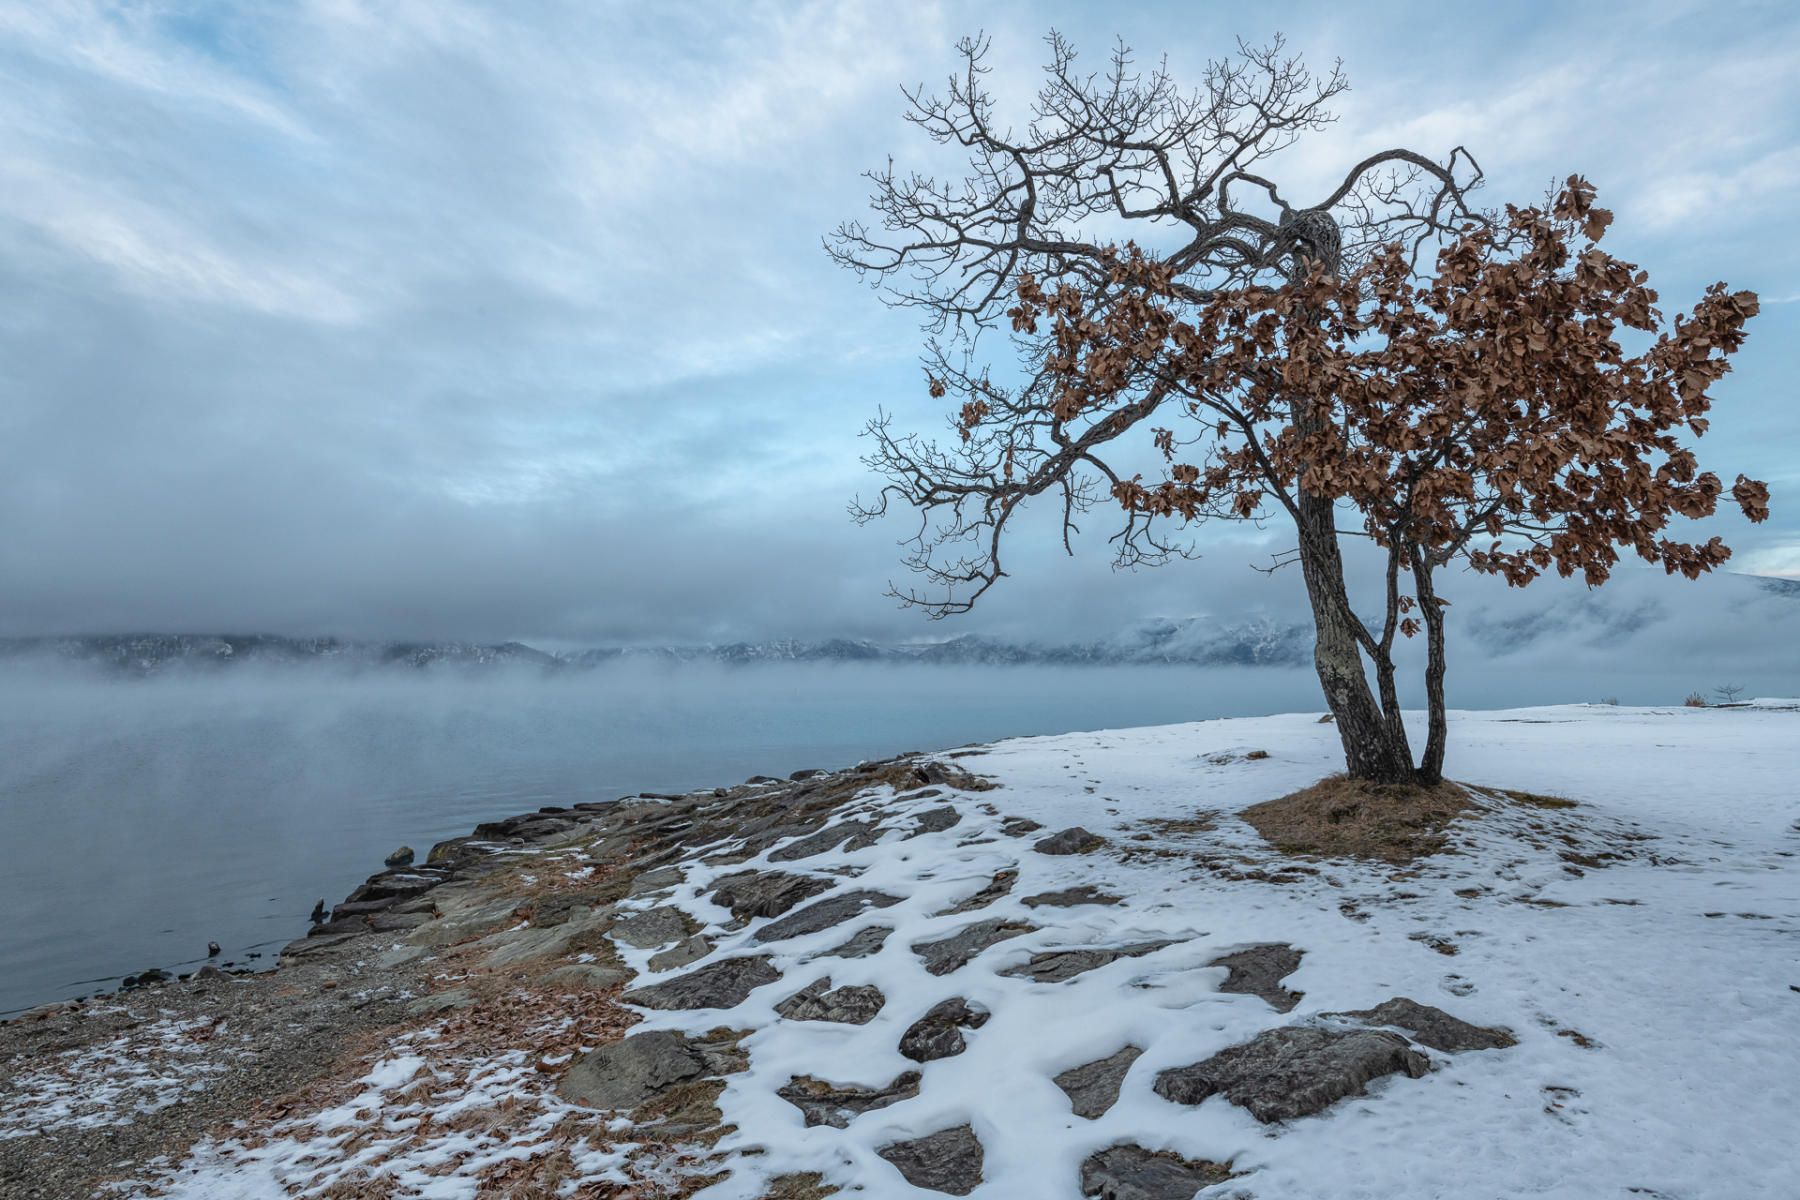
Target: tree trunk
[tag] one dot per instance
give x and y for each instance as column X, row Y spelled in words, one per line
column 1431, row 770
column 1374, row 748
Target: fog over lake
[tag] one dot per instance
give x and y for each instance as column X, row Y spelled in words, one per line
column 147, row 817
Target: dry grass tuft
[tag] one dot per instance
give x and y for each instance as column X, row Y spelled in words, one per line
column 1535, row 799
column 808, row 1185
column 1341, row 817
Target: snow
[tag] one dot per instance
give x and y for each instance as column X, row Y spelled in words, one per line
column 1653, row 997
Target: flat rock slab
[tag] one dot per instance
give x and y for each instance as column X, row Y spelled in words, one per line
column 947, row 954
column 819, row 1001
column 934, row 820
column 639, row 1068
column 1258, row 970
column 751, row 894
column 834, row 1104
column 997, row 887
column 862, row 944
column 852, row 835
column 654, row 927
column 1054, row 966
column 1093, row 1087
column 938, row 1034
column 947, row 1161
column 655, row 881
column 1019, row 826
column 1130, row 1172
column 1071, row 897
column 1293, row 1072
column 1432, row 1026
column 833, row 910
column 1073, row 840
column 723, row 984
column 686, row 951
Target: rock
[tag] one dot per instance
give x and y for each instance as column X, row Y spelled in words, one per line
column 947, row 954
column 1019, row 826
column 750, row 894
column 1130, row 1172
column 1073, row 840
column 641, row 1067
column 437, row 1002
column 1094, row 1087
column 653, row 927
column 400, row 858
column 1432, row 1026
column 318, row 912
column 845, row 1005
column 1257, row 971
column 209, row 975
column 681, row 953
column 938, row 1034
column 755, row 779
column 797, row 776
column 212, row 949
column 934, row 820
column 655, row 881
column 861, row 945
column 588, row 976
column 997, row 887
column 833, row 1104
column 833, row 910
column 723, row 984
column 1070, row 897
column 852, row 835
column 1054, row 966
column 1293, row 1072
column 947, row 1161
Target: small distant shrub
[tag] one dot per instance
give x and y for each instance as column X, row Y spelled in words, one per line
column 1695, row 700
column 1612, row 700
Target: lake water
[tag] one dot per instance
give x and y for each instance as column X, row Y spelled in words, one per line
column 141, row 819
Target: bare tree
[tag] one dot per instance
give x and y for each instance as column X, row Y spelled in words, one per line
column 1728, row 692
column 1239, row 327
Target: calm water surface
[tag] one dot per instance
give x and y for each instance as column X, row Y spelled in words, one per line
column 140, row 820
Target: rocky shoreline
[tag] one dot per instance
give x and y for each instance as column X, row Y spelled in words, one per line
column 1059, row 967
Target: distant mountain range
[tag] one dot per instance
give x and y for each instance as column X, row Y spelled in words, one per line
column 1591, row 618
column 1190, row 641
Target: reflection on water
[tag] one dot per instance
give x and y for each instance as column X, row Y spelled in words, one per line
column 142, row 819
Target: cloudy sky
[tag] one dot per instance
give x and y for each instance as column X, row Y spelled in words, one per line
column 443, row 319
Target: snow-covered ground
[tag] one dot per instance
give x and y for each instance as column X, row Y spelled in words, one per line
column 1643, row 947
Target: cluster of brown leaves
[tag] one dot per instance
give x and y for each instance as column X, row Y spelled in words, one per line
column 1493, row 400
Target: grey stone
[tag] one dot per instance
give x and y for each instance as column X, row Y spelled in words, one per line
column 1293, row 1072
column 437, row 1002
column 655, row 881
column 856, row 833
column 818, row 1001
column 1070, row 897
column 723, row 984
column 938, row 1034
column 399, row 956
column 1073, row 840
column 653, row 927
column 400, row 858
column 682, row 953
column 751, row 894
column 947, row 954
column 862, row 944
column 1054, row 966
column 1432, row 1026
column 627, row 1073
column 588, row 975
column 463, row 917
column 1258, row 970
column 934, row 820
column 833, row 910
column 1019, row 826
column 1130, row 1172
column 1094, row 1087
column 947, row 1161
column 834, row 1104
column 997, row 887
